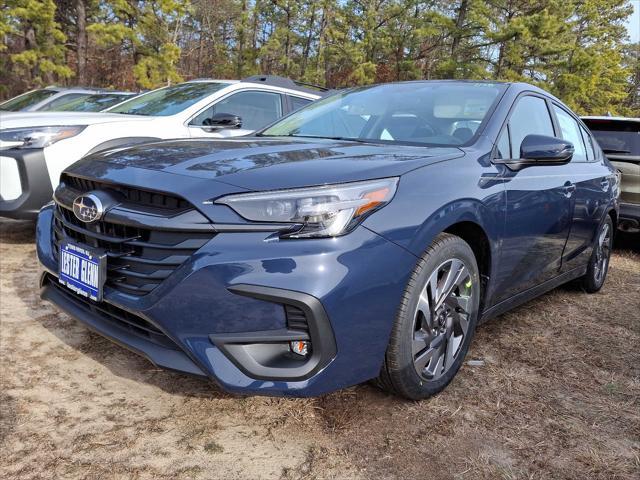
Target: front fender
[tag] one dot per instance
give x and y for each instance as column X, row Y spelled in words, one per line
column 426, row 205
column 429, row 200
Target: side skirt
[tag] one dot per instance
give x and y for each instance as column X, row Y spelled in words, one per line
column 532, row 293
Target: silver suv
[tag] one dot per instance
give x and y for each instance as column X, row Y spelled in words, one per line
column 619, row 139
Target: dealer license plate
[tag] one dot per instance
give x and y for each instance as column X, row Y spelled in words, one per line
column 83, row 270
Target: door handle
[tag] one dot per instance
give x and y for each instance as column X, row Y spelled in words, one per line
column 569, row 188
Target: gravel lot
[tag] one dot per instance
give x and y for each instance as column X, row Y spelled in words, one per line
column 556, row 396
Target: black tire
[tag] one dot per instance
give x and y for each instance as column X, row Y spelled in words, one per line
column 399, row 374
column 598, row 265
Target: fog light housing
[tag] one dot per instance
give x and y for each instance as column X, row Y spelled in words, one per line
column 300, row 347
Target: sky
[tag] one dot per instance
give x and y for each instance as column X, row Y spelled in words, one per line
column 633, row 24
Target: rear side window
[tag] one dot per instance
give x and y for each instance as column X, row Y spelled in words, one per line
column 588, row 142
column 530, row 117
column 570, row 131
column 298, row 102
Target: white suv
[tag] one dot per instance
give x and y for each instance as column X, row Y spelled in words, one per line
column 36, row 147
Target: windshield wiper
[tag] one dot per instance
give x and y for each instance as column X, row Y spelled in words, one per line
column 346, row 139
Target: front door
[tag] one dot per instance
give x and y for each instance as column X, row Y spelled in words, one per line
column 256, row 108
column 538, row 216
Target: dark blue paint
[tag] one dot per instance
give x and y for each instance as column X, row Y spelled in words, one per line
column 536, row 229
column 543, row 148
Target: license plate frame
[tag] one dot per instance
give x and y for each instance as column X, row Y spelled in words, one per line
column 82, row 269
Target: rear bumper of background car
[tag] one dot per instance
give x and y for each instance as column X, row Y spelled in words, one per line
column 230, row 311
column 629, row 217
column 25, row 185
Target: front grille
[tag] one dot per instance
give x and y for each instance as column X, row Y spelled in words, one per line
column 134, row 196
column 296, row 319
column 138, row 258
column 115, row 316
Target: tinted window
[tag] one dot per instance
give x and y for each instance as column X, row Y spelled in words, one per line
column 93, row 103
column 169, row 100
column 570, row 130
column 423, row 113
column 588, row 142
column 62, row 100
column 27, row 100
column 617, row 137
column 297, row 102
column 530, row 117
column 256, row 109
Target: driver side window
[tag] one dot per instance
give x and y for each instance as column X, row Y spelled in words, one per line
column 256, row 109
column 529, row 117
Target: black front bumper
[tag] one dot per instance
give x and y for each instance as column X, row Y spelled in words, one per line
column 35, row 184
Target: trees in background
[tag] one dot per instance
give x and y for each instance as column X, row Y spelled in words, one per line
column 574, row 48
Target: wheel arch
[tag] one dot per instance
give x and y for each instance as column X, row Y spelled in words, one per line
column 472, row 233
column 614, row 218
column 477, row 223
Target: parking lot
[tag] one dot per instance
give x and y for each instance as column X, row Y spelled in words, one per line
column 554, row 392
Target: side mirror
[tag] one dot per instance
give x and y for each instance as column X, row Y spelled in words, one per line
column 222, row 120
column 539, row 150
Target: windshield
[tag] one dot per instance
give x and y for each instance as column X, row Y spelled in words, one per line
column 27, row 100
column 618, row 137
column 422, row 113
column 168, row 100
column 93, row 103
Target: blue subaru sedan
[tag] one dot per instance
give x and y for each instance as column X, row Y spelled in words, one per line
column 363, row 237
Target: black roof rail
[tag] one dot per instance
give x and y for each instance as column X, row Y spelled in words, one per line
column 284, row 82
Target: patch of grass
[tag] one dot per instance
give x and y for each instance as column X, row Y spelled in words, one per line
column 213, row 447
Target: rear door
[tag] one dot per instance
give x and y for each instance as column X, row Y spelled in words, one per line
column 593, row 182
column 538, row 216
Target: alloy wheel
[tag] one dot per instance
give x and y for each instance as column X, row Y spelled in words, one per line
column 441, row 319
column 603, row 252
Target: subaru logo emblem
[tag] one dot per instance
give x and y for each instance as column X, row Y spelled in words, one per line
column 88, row 208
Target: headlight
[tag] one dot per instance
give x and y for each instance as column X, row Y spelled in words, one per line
column 326, row 211
column 38, row 137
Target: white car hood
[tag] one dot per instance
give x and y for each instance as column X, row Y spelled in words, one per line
column 41, row 119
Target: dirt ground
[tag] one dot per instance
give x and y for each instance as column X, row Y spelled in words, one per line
column 558, row 396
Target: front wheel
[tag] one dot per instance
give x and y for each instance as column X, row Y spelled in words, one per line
column 435, row 322
column 598, row 265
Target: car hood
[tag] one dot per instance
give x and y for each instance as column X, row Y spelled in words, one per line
column 263, row 163
column 41, row 119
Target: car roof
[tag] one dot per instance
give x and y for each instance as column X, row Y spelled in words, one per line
column 272, row 81
column 114, row 92
column 518, row 87
column 208, row 80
